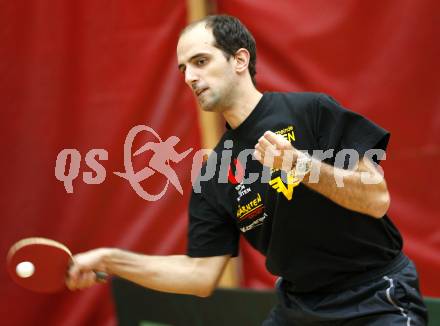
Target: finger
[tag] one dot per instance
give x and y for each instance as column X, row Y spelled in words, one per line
column 267, row 146
column 73, row 283
column 259, row 148
column 79, row 282
column 90, row 280
column 70, row 284
column 264, row 143
column 73, row 273
column 271, row 137
column 86, row 280
column 257, row 154
column 269, row 160
column 268, row 149
column 266, row 158
column 276, row 140
column 73, row 276
column 288, row 160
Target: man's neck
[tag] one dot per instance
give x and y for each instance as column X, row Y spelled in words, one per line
column 242, row 107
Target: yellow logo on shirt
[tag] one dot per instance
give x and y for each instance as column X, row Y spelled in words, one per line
column 279, row 186
column 277, row 183
column 287, row 133
column 253, row 205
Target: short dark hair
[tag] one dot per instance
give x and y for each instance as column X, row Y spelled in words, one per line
column 231, row 35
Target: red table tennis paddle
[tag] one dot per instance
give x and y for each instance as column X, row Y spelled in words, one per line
column 41, row 265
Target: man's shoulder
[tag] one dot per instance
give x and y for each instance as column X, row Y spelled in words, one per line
column 296, row 98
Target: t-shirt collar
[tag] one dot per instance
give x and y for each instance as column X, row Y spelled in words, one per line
column 252, row 117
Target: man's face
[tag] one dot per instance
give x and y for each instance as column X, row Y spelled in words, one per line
column 207, row 71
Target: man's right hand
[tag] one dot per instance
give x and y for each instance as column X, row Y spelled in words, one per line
column 82, row 272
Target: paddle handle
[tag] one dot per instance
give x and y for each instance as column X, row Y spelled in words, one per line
column 101, row 277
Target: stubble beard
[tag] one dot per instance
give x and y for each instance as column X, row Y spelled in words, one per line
column 218, row 101
column 210, row 102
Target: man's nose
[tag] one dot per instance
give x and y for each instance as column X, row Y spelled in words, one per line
column 190, row 77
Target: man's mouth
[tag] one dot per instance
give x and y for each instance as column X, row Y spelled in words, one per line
column 200, row 91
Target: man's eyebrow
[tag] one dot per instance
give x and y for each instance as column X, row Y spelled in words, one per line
column 195, row 56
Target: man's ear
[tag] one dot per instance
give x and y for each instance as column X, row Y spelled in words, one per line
column 242, row 58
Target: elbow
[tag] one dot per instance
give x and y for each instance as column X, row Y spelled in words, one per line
column 206, row 274
column 205, row 291
column 207, row 286
column 381, row 205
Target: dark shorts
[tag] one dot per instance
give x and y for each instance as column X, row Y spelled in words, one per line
column 392, row 299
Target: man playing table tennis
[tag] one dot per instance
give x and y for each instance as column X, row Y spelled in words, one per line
column 319, row 219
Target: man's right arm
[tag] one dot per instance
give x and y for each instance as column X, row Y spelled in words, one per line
column 177, row 274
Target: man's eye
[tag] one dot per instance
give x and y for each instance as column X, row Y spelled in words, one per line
column 201, row 62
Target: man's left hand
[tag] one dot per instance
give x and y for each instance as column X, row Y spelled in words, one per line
column 275, row 151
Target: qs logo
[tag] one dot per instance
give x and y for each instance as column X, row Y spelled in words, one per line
column 163, row 153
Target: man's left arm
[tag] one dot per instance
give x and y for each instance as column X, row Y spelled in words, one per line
column 364, row 188
column 356, row 194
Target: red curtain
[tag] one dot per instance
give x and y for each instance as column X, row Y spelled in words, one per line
column 379, row 59
column 80, row 75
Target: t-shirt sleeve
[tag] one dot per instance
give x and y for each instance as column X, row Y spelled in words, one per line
column 210, row 233
column 339, row 128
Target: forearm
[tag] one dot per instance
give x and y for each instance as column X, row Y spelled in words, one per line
column 355, row 194
column 364, row 189
column 176, row 274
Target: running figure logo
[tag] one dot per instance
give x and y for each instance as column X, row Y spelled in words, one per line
column 163, row 152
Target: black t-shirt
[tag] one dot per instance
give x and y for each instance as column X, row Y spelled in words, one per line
column 307, row 239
